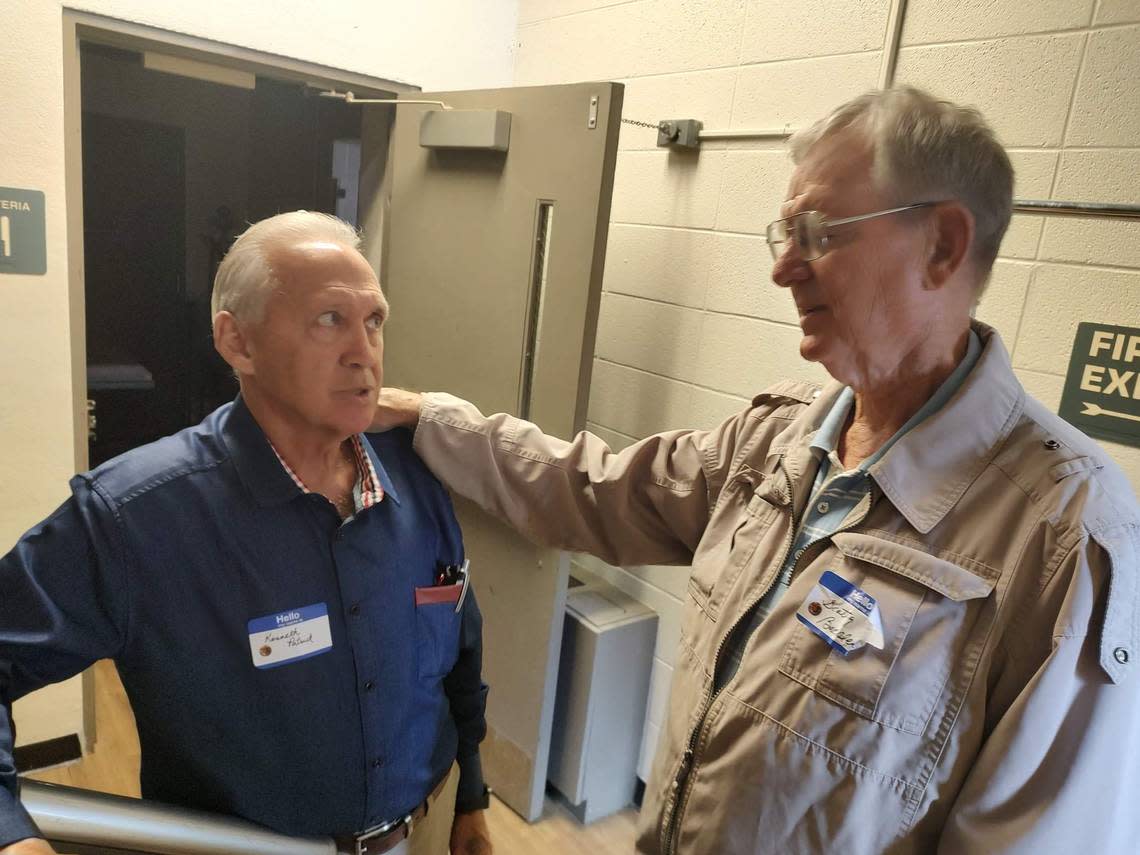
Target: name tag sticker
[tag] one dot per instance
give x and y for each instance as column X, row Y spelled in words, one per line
column 842, row 614
column 291, row 636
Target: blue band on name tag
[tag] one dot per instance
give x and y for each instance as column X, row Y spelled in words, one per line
column 287, row 618
column 843, row 589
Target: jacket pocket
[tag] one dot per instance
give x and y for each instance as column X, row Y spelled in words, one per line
column 930, row 614
column 748, row 507
column 437, row 628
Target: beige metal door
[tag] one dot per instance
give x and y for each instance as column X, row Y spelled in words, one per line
column 493, row 268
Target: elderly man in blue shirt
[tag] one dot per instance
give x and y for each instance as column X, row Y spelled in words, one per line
column 284, row 597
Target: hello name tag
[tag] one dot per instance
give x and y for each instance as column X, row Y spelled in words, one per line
column 291, row 636
column 842, row 614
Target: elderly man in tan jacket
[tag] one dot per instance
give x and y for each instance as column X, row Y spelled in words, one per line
column 911, row 624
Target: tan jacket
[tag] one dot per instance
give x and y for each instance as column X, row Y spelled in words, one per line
column 1002, row 546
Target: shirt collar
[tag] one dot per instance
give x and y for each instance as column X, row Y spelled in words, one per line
column 943, row 452
column 930, row 467
column 366, row 489
column 827, row 439
column 263, row 472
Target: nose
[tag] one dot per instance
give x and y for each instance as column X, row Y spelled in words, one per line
column 362, row 350
column 790, row 267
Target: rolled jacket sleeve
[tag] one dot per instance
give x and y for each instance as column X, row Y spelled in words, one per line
column 648, row 504
column 62, row 608
column 1058, row 770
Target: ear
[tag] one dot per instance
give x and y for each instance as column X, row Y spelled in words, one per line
column 953, row 236
column 232, row 343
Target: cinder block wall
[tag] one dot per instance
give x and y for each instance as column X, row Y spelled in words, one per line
column 691, row 326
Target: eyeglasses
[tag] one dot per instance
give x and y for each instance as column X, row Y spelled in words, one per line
column 812, row 233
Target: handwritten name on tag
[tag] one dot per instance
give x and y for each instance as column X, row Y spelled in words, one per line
column 290, row 636
column 842, row 614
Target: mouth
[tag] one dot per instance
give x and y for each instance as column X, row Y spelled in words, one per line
column 359, row 393
column 808, row 311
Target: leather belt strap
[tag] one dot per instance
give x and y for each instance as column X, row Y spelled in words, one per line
column 388, row 835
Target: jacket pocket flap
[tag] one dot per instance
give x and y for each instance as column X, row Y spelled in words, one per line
column 949, row 579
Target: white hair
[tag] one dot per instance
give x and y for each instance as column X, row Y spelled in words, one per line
column 928, row 150
column 245, row 278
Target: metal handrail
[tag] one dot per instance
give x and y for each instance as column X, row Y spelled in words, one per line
column 83, row 817
column 1120, row 210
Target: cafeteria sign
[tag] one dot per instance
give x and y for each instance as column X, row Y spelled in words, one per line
column 22, row 231
column 1102, row 388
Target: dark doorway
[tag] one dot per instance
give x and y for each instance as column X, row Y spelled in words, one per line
column 134, row 224
column 174, row 168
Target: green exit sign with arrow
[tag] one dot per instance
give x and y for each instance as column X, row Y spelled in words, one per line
column 1102, row 388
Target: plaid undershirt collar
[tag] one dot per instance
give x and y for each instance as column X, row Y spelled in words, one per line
column 366, row 491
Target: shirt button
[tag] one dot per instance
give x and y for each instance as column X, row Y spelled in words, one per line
column 354, row 610
column 1121, row 655
column 369, row 685
column 822, row 507
column 377, row 762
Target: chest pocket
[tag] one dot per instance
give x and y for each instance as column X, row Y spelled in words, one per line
column 437, row 627
column 932, row 612
column 746, row 514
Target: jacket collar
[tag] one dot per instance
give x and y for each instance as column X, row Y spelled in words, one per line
column 928, row 470
column 260, row 470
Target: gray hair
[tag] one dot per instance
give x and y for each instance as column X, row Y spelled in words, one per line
column 927, row 150
column 245, row 278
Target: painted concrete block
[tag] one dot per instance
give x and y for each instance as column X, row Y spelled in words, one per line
column 1109, row 242
column 1004, row 298
column 684, row 35
column 1117, row 12
column 799, row 92
column 667, row 264
column 709, row 409
column 743, row 356
column 937, row 21
column 1103, row 175
column 1033, row 173
column 667, row 188
column 652, row 336
column 754, row 186
column 740, row 281
column 591, row 46
column 1062, row 296
column 531, row 11
column 1022, row 236
column 1105, row 109
column 1021, row 84
column 775, row 29
column 635, row 403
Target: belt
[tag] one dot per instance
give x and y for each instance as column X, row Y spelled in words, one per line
column 388, row 835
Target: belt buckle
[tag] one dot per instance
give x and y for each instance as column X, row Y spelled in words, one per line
column 382, row 830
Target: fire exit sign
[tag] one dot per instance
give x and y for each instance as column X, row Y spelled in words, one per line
column 1102, row 388
column 22, row 243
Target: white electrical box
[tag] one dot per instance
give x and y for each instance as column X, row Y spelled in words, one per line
column 603, row 685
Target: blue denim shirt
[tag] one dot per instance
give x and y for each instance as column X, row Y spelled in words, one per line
column 161, row 558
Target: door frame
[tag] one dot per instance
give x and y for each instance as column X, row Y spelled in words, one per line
column 79, row 27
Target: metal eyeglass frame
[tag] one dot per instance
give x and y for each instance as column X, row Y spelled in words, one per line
column 824, row 226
